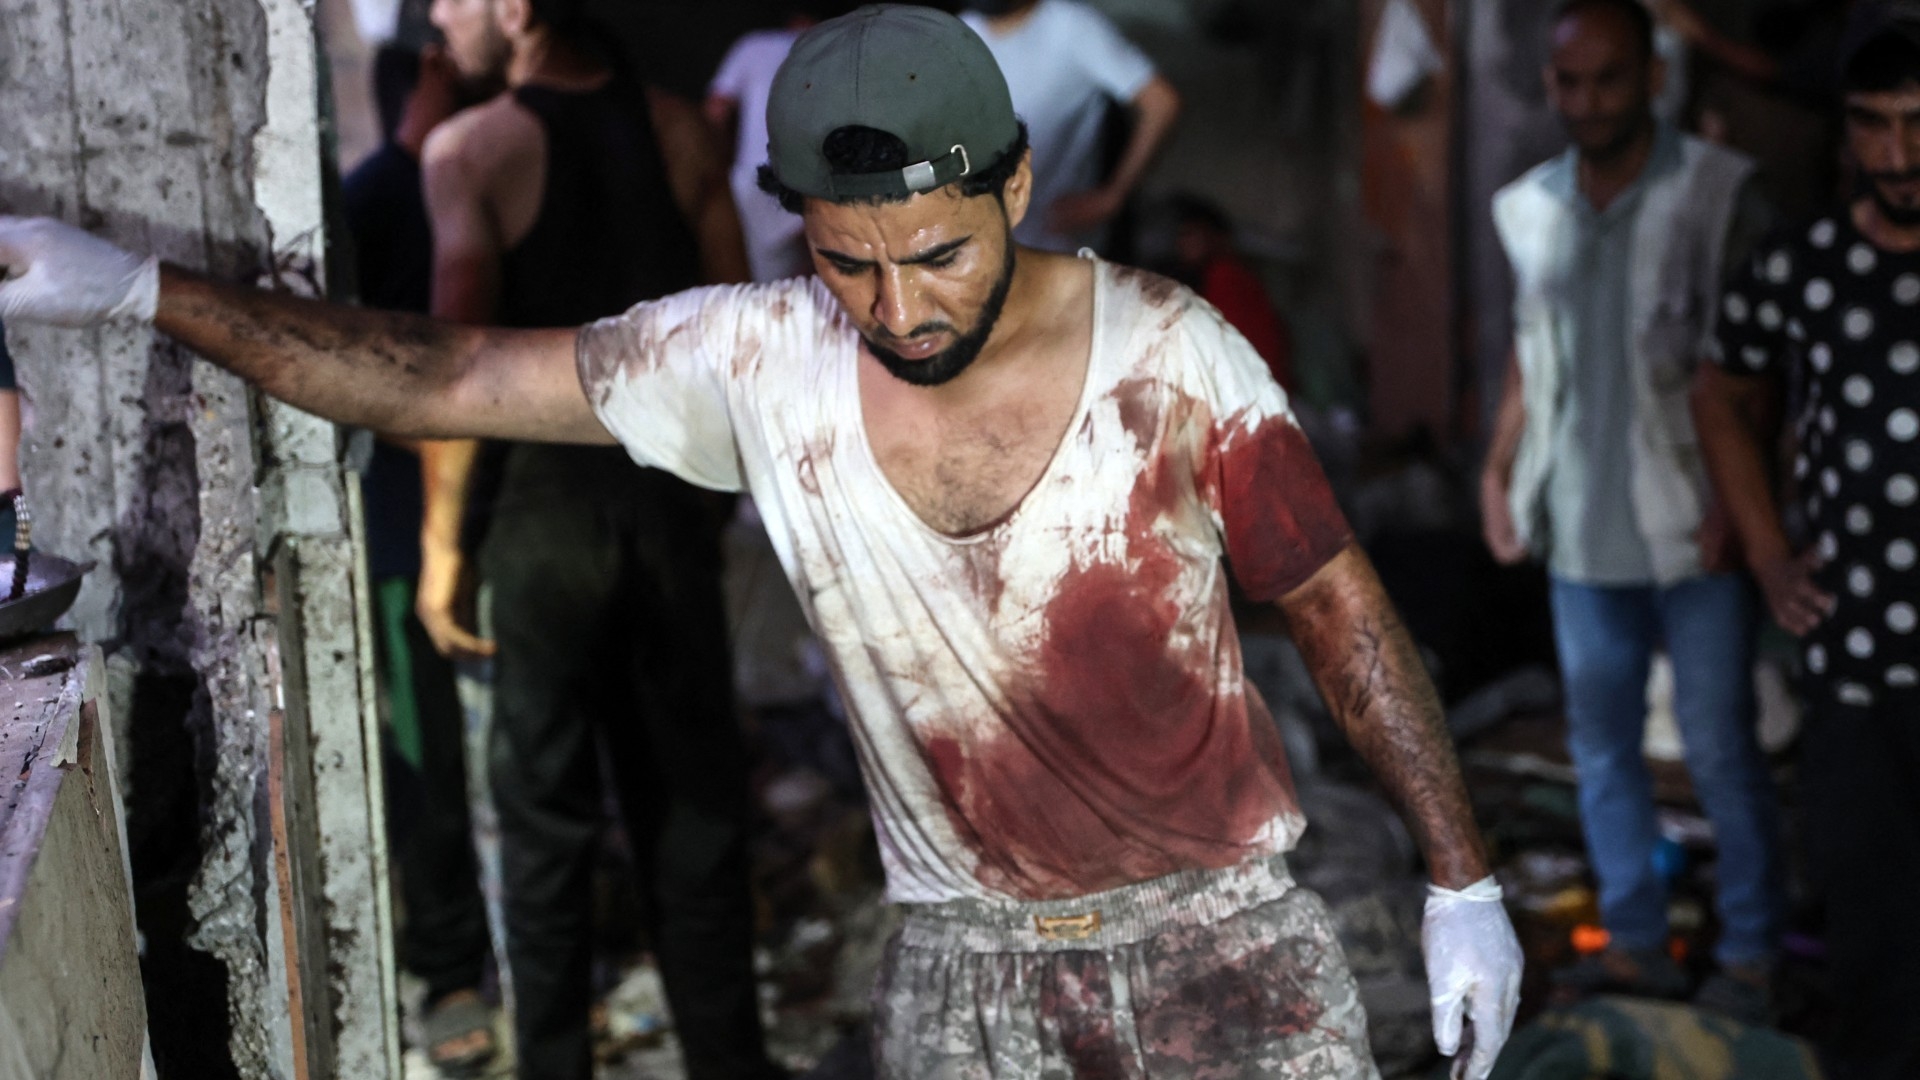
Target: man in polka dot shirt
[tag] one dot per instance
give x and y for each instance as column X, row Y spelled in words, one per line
column 1831, row 309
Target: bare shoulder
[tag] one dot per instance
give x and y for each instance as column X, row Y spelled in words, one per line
column 668, row 107
column 483, row 141
column 681, row 125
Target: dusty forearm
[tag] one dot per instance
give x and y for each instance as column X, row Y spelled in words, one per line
column 379, row 370
column 1370, row 674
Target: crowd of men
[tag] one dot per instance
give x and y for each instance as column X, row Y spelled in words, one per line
column 1664, row 324
column 1006, row 481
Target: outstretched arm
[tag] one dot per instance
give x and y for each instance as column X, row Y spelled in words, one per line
column 1370, row 674
column 400, row 374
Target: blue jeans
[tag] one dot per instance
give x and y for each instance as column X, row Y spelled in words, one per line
column 1606, row 637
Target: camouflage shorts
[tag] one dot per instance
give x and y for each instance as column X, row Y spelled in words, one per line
column 1208, row 975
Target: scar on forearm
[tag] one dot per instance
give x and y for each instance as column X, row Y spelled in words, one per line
column 1374, row 680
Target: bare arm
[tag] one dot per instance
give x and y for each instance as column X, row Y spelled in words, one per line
column 1509, row 423
column 1727, row 415
column 697, row 172
column 403, row 374
column 9, row 442
column 722, row 114
column 467, row 252
column 1740, row 58
column 1368, row 670
column 1155, row 108
column 1737, row 419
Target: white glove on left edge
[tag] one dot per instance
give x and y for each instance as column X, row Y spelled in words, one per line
column 1473, row 972
column 51, row 272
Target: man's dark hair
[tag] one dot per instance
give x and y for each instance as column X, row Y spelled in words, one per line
column 396, row 71
column 1888, row 62
column 1639, row 19
column 854, row 151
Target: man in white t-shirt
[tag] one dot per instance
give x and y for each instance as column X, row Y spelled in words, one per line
column 737, row 104
column 1003, row 483
column 1066, row 64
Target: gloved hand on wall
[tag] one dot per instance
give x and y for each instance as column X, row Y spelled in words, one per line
column 52, row 272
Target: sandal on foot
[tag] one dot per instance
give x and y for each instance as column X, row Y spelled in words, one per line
column 456, row 1021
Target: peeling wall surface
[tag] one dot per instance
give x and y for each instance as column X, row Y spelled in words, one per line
column 193, row 130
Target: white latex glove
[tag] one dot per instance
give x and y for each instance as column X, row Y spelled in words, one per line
column 51, row 272
column 1473, row 972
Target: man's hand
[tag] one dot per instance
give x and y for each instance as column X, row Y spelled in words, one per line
column 444, row 602
column 435, row 97
column 1496, row 522
column 1083, row 211
column 1797, row 603
column 51, row 272
column 1717, row 541
column 1473, row 973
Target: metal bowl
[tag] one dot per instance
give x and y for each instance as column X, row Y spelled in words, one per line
column 52, row 584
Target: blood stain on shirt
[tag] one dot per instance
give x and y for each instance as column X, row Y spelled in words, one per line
column 1119, row 759
column 1155, row 290
column 805, row 467
column 1282, row 522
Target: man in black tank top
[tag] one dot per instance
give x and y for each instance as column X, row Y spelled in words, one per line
column 608, row 625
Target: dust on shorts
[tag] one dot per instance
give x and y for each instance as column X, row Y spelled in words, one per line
column 1207, row 975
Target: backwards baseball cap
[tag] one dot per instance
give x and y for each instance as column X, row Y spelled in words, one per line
column 1872, row 20
column 917, row 74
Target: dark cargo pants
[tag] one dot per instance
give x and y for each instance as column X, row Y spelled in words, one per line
column 607, row 610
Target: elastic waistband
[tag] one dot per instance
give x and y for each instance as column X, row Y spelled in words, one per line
column 1122, row 916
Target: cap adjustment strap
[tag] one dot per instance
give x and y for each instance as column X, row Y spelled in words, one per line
column 915, row 178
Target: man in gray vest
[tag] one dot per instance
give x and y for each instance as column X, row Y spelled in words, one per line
column 1617, row 247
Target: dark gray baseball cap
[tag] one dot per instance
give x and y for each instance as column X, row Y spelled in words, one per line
column 918, row 74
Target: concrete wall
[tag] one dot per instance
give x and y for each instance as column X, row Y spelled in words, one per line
column 193, row 130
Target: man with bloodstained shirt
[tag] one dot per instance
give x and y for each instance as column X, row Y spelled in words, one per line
column 1001, row 482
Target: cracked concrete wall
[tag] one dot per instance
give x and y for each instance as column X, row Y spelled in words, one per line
column 194, row 131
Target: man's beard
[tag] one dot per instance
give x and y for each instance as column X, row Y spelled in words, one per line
column 1615, row 145
column 1905, row 217
column 947, row 364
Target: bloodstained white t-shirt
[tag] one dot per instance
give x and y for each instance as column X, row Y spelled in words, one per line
column 1053, row 706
